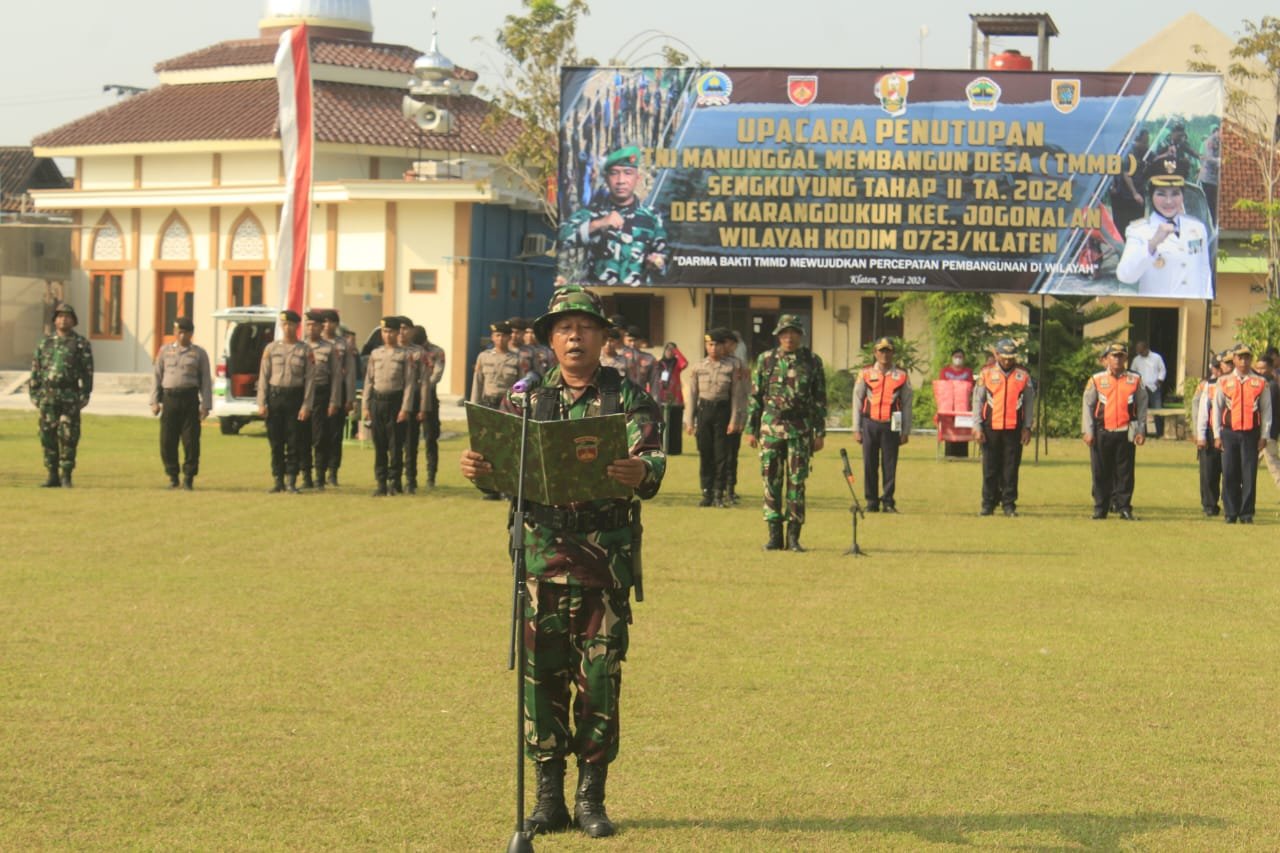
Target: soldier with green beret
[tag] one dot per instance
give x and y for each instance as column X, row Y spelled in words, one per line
column 787, row 420
column 61, row 382
column 624, row 242
column 582, row 560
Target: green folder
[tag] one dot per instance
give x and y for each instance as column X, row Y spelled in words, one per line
column 565, row 461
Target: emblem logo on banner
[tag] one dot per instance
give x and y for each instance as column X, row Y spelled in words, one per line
column 1065, row 95
column 587, row 448
column 713, row 89
column 802, row 90
column 983, row 94
column 891, row 89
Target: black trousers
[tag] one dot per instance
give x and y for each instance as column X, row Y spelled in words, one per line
column 1111, row 458
column 1001, row 459
column 316, row 452
column 1210, row 477
column 1239, row 471
column 713, row 444
column 180, row 419
column 284, row 431
column 431, row 437
column 731, row 472
column 388, row 436
column 673, row 418
column 412, row 438
column 879, row 445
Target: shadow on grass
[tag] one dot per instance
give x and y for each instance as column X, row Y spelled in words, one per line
column 1090, row 831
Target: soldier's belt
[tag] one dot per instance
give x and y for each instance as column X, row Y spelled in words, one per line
column 285, row 390
column 583, row 520
column 387, row 396
column 191, row 389
column 711, row 404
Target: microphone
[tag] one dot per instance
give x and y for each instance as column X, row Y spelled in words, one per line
column 528, row 382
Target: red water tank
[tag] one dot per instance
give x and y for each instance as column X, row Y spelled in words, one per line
column 1010, row 60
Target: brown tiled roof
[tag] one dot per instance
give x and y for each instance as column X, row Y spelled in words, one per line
column 340, row 52
column 246, row 109
column 1241, row 178
column 21, row 170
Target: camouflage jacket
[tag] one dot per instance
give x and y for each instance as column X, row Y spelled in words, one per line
column 788, row 395
column 62, row 367
column 598, row 558
column 617, row 257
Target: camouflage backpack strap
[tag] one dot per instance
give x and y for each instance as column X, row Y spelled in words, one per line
column 610, row 391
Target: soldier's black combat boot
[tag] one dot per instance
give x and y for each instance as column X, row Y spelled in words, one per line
column 320, row 479
column 278, row 486
column 66, row 479
column 793, row 537
column 173, row 481
column 307, row 482
column 381, row 491
column 733, row 496
column 775, row 537
column 721, row 501
column 189, row 482
column 396, row 488
column 293, row 484
column 413, row 487
column 588, row 801
column 53, row 482
column 706, row 498
column 333, row 477
column 550, row 814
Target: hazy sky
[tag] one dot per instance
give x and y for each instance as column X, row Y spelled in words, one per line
column 58, row 54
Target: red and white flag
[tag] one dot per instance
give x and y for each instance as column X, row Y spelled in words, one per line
column 297, row 135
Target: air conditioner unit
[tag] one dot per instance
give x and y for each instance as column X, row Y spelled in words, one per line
column 534, row 245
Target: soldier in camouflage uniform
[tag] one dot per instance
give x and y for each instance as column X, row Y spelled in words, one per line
column 787, row 419
column 582, row 560
column 624, row 241
column 61, row 382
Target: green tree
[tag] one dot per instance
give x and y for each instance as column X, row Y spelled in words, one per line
column 1071, row 357
column 535, row 45
column 1252, row 105
column 956, row 321
column 1261, row 329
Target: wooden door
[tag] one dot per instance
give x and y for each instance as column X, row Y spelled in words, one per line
column 175, row 297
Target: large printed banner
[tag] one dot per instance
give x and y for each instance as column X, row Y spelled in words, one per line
column 1028, row 182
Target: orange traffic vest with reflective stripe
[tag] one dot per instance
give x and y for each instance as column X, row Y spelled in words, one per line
column 882, row 392
column 1117, row 398
column 1003, row 408
column 1243, row 396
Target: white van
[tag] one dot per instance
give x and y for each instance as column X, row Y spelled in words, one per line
column 235, row 378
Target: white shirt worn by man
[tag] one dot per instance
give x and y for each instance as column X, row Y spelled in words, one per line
column 1150, row 367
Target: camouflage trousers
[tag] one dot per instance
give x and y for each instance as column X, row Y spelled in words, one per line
column 575, row 640
column 60, row 430
column 784, row 464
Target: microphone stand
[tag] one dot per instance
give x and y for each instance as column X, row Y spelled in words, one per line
column 856, row 509
column 521, row 841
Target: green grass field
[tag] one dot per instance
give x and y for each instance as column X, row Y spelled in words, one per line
column 231, row 670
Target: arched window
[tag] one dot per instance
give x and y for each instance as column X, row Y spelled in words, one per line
column 175, row 240
column 108, row 240
column 248, row 243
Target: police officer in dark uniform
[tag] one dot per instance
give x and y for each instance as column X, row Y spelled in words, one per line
column 286, row 393
column 328, row 394
column 388, row 404
column 714, row 396
column 182, row 396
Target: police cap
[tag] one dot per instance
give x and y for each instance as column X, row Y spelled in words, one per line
column 885, row 344
column 1116, row 349
column 1006, row 347
column 314, row 316
column 1242, row 349
column 184, row 324
column 391, row 323
column 289, row 316
column 501, row 327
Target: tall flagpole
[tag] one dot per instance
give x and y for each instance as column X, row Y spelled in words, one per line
column 297, row 138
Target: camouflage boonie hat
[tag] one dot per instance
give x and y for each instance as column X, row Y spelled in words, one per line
column 1006, row 347
column 570, row 299
column 789, row 321
column 65, row 308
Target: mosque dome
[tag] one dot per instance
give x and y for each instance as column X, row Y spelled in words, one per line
column 341, row 18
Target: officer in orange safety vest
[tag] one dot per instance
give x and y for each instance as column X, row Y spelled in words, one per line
column 1004, row 402
column 1113, row 420
column 1241, row 423
column 881, row 424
